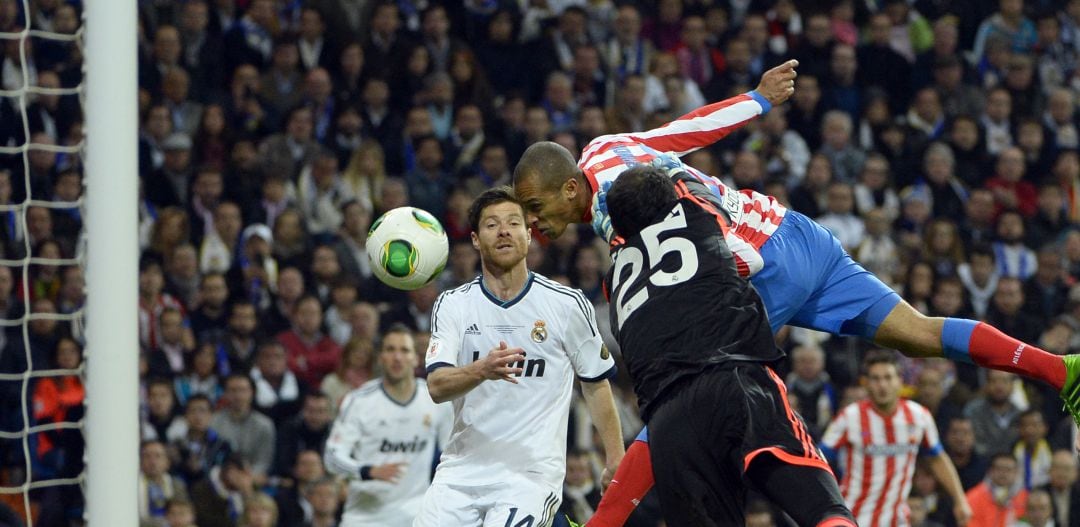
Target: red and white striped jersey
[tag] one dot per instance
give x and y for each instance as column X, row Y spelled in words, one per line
column 754, row 216
column 877, row 456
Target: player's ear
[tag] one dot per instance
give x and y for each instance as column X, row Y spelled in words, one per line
column 571, row 188
column 475, row 240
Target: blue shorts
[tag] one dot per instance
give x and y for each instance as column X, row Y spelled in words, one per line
column 809, row 280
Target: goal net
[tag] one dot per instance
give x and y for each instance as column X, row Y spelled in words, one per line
column 47, row 396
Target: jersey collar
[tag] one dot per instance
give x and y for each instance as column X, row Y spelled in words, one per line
column 505, row 304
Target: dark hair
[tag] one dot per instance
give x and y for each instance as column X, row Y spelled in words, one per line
column 1030, row 412
column 194, row 398
column 233, row 376
column 491, row 196
column 638, row 198
column 875, row 357
column 1002, row 455
column 981, row 249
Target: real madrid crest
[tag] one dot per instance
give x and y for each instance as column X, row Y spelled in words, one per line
column 539, row 332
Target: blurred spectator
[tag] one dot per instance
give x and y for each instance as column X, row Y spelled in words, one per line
column 306, row 431
column 1045, row 292
column 1062, row 489
column 998, row 501
column 1014, row 259
column 201, row 375
column 581, row 495
column 280, row 84
column 210, row 318
column 220, row 246
column 259, row 511
column 250, row 434
column 156, row 485
column 293, row 506
column 182, row 273
column 980, row 277
column 944, row 250
column 1039, row 511
column 917, row 512
column 324, row 496
column 324, row 271
column 993, row 417
column 1032, row 451
column 1050, row 219
column 846, row 160
column 200, row 448
column 179, row 513
column 162, row 422
column 1008, row 22
column 320, row 193
column 238, row 345
column 995, row 122
column 811, row 384
column 278, row 317
column 169, row 358
column 341, row 298
column 221, row 499
column 840, row 218
column 429, row 184
column 960, row 445
column 250, row 39
column 285, row 153
column 311, row 353
column 278, row 393
column 1006, row 313
column 355, row 369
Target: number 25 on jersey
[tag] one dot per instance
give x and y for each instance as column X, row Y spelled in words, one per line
column 647, row 264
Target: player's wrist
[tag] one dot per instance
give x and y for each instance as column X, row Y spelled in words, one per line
column 365, row 473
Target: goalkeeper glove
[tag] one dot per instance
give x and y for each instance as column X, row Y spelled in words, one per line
column 668, row 163
column 601, row 222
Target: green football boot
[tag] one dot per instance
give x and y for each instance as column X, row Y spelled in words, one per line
column 1070, row 393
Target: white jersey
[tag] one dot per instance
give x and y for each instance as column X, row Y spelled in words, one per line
column 502, row 430
column 877, row 454
column 372, row 429
column 754, row 216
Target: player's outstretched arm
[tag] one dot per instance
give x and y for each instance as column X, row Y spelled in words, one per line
column 945, row 472
column 601, row 404
column 449, row 383
column 713, row 122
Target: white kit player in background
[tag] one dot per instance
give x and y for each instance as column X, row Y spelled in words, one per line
column 505, row 349
column 385, row 438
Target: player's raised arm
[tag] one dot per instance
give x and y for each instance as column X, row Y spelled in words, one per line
column 713, row 122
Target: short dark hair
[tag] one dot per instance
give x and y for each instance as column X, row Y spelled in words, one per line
column 549, row 162
column 875, row 357
column 1002, row 455
column 639, row 196
column 197, row 397
column 491, row 196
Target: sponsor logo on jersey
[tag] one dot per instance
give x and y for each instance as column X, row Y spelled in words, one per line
column 416, row 444
column 529, row 367
column 539, row 332
column 894, row 449
column 472, row 330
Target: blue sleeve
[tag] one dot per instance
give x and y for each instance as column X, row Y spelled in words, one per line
column 643, row 436
column 765, row 104
column 935, row 450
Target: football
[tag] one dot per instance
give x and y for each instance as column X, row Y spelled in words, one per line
column 407, row 248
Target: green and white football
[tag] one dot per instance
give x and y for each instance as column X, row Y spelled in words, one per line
column 407, row 248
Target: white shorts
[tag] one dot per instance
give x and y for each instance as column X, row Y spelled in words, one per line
column 519, row 504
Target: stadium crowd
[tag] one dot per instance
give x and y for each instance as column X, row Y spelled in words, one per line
column 938, row 140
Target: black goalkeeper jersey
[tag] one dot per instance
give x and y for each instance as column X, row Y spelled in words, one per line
column 678, row 305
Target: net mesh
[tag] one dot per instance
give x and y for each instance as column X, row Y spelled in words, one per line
column 41, row 466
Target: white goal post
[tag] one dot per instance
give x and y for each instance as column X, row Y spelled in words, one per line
column 112, row 402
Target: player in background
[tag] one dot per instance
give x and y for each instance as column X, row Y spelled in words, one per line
column 877, row 441
column 385, row 438
column 803, row 275
column 504, row 350
column 719, row 415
